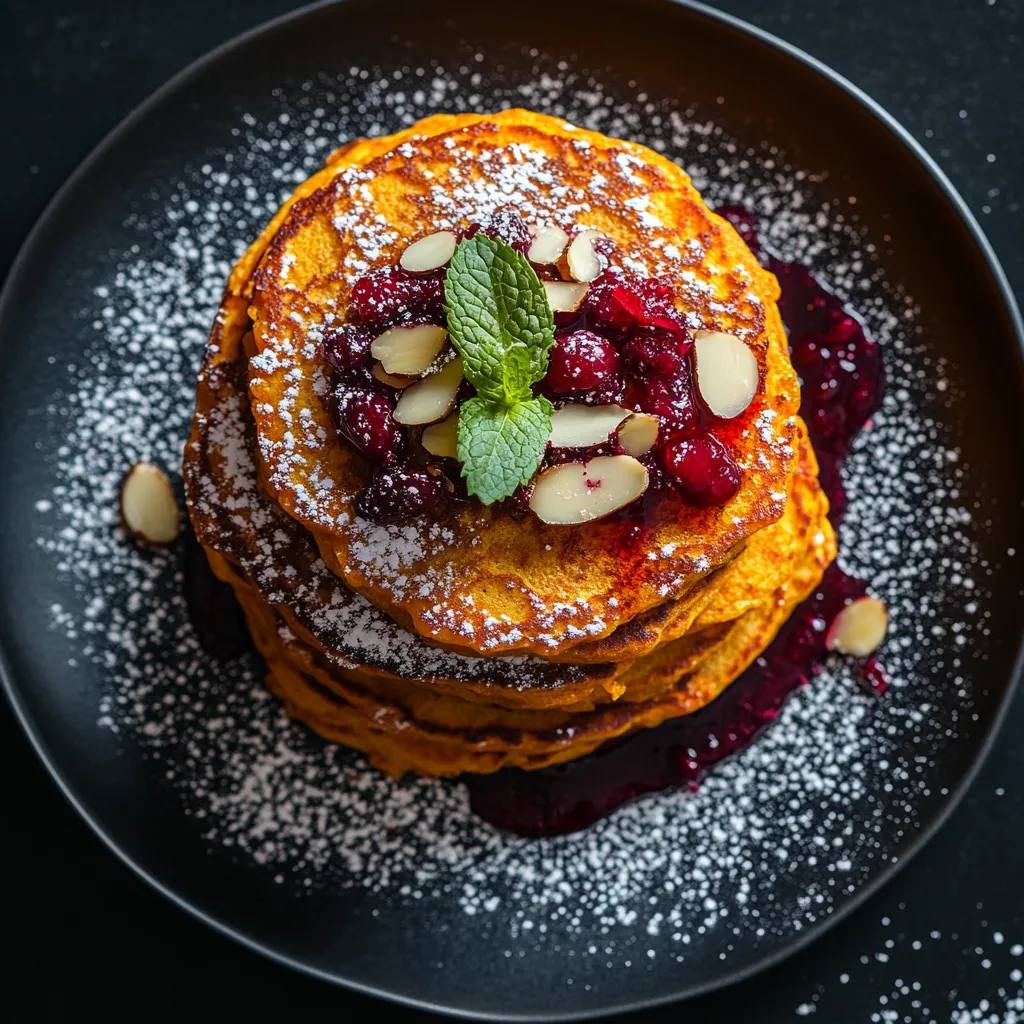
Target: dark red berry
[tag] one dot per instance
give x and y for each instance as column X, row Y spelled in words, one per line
column 652, row 352
column 675, row 407
column 392, row 296
column 620, row 303
column 365, row 418
column 400, row 492
column 610, row 391
column 346, row 346
column 671, row 396
column 510, row 228
column 613, row 304
column 703, row 468
column 667, row 318
column 358, row 378
column 580, row 361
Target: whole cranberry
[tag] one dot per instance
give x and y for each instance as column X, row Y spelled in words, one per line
column 366, row 418
column 672, row 397
column 619, row 303
column 399, row 492
column 655, row 353
column 510, row 228
column 346, row 346
column 614, row 303
column 676, row 407
column 703, row 468
column 580, row 361
column 392, row 296
column 611, row 391
column 659, row 309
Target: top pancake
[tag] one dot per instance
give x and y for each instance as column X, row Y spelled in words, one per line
column 483, row 579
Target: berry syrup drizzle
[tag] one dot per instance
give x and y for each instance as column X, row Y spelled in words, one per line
column 842, row 380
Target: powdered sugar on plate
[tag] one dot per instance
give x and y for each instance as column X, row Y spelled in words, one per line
column 890, row 972
column 774, row 840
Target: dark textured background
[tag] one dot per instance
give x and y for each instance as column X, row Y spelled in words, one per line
column 82, row 935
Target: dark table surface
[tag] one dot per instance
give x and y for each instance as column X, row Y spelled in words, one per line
column 81, row 934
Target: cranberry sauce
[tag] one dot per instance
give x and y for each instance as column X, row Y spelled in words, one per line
column 842, row 381
column 626, row 343
column 212, row 606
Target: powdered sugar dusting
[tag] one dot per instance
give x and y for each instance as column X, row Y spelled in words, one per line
column 901, row 957
column 775, row 839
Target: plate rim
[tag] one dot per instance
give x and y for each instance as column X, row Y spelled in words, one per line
column 11, row 689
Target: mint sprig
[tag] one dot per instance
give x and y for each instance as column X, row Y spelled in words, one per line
column 500, row 322
column 501, row 448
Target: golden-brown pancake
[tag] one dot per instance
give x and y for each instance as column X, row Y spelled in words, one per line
column 486, row 580
column 412, row 729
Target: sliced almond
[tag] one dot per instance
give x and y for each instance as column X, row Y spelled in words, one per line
column 547, row 246
column 579, row 492
column 639, row 434
column 582, row 259
column 859, row 628
column 429, row 253
column 432, row 398
column 442, row 438
column 726, row 373
column 148, row 507
column 408, row 351
column 580, row 426
column 565, row 296
column 392, row 380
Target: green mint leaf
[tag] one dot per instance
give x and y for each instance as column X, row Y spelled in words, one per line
column 499, row 319
column 501, row 447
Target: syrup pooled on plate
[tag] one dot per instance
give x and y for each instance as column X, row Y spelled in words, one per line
column 842, row 381
column 570, row 796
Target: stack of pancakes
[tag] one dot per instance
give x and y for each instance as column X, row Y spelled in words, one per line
column 482, row 637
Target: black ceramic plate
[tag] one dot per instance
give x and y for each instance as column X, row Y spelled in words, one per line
column 195, row 779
